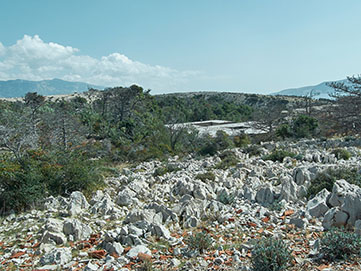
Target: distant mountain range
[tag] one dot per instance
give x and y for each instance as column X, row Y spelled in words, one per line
column 18, row 88
column 322, row 89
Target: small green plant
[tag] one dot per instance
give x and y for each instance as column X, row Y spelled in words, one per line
column 327, row 178
column 278, row 155
column 200, row 241
column 270, row 254
column 342, row 154
column 206, row 176
column 339, row 244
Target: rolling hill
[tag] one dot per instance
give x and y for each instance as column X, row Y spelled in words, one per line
column 322, row 89
column 18, row 88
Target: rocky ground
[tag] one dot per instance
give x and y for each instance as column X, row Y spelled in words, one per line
column 147, row 217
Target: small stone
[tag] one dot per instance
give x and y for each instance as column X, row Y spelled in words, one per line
column 133, row 252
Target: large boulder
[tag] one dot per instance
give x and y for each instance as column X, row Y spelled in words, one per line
column 301, row 176
column 53, row 232
column 76, row 229
column 59, row 256
column 77, row 203
column 289, row 189
column 346, row 202
column 265, row 195
column 317, row 206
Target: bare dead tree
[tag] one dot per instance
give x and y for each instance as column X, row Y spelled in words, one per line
column 346, row 113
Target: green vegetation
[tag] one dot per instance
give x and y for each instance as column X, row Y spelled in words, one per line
column 327, row 178
column 342, row 154
column 229, row 159
column 241, row 141
column 278, row 155
column 55, row 147
column 206, row 176
column 339, row 244
column 270, row 254
column 200, row 241
column 300, row 127
column 25, row 183
column 253, row 150
column 168, row 168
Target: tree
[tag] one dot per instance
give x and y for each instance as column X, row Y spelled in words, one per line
column 309, row 101
column 346, row 114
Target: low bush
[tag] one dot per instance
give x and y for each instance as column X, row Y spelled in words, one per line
column 253, row 150
column 270, row 254
column 342, row 154
column 206, row 176
column 199, row 241
column 39, row 174
column 229, row 159
column 278, row 155
column 160, row 171
column 338, row 244
column 211, row 145
column 327, row 178
column 241, row 141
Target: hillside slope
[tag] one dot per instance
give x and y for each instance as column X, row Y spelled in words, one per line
column 322, row 89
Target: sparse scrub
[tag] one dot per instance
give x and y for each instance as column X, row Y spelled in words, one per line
column 200, row 241
column 168, row 168
column 278, row 155
column 206, row 176
column 327, row 178
column 229, row 159
column 253, row 150
column 342, row 154
column 339, row 244
column 270, row 254
column 241, row 141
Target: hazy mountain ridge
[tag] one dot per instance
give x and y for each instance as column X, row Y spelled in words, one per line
column 18, row 87
column 322, row 89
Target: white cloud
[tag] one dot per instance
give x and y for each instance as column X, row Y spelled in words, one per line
column 33, row 59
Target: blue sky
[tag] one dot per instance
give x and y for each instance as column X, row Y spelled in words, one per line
column 169, row 45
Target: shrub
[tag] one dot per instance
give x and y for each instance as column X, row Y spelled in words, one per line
column 210, row 145
column 200, row 241
column 338, row 244
column 253, row 150
column 160, row 171
column 342, row 154
column 300, row 127
column 284, row 131
column 327, row 178
column 241, row 140
column 229, row 159
column 206, row 176
column 39, row 174
column 278, row 155
column 270, row 254
column 304, row 126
